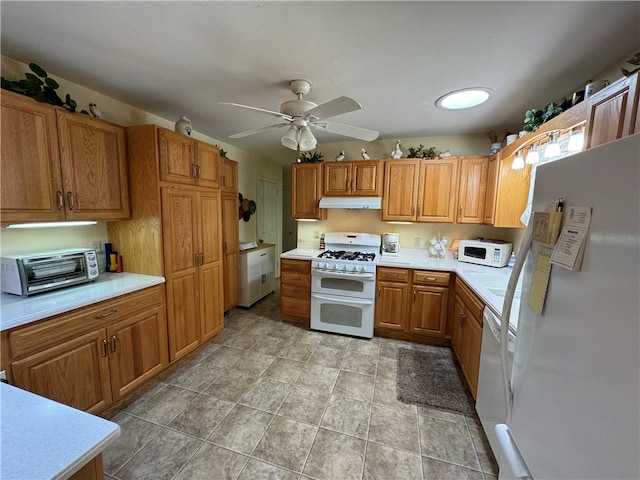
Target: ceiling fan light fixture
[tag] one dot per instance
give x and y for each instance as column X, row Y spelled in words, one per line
column 464, row 98
column 307, row 140
column 290, row 139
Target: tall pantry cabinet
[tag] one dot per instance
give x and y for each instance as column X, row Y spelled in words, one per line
column 230, row 232
column 175, row 230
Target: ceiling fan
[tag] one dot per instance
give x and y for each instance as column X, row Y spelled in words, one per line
column 300, row 114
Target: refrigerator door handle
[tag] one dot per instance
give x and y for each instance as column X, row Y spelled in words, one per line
column 525, row 245
column 511, row 453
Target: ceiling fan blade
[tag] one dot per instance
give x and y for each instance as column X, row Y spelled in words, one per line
column 334, row 107
column 347, row 130
column 261, row 110
column 246, row 133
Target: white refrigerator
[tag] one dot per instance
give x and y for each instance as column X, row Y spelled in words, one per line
column 574, row 386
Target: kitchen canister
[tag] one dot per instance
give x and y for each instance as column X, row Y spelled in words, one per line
column 183, row 126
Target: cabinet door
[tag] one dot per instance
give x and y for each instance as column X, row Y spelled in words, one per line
column 337, row 179
column 268, row 270
column 137, row 349
column 492, row 191
column 210, row 269
column 366, row 178
column 94, row 168
column 230, row 249
column 231, row 280
column 306, row 190
column 391, row 305
column 472, row 189
column 177, row 157
column 429, row 310
column 75, row 372
column 399, row 200
column 229, row 170
column 612, row 112
column 457, row 319
column 437, row 190
column 471, row 346
column 179, row 219
column 208, row 169
column 30, row 169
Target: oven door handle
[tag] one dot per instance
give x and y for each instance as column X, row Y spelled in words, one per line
column 345, row 301
column 326, row 274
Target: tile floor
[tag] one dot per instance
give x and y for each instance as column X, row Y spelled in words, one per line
column 268, row 400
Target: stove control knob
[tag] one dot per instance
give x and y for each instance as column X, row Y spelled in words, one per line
column 334, row 266
column 320, row 265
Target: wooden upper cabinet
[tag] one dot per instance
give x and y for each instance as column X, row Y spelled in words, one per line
column 30, row 163
column 58, row 165
column 306, row 186
column 472, row 188
column 399, row 200
column 229, row 175
column 613, row 112
column 94, row 168
column 361, row 179
column 492, row 189
column 186, row 161
column 177, row 157
column 208, row 165
column 437, row 190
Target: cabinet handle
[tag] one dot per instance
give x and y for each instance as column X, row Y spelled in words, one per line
column 263, row 279
column 60, row 200
column 193, row 171
column 431, row 279
column 462, row 318
column 197, row 259
column 222, row 180
column 104, row 347
column 71, row 202
column 201, row 258
column 413, row 210
column 113, row 343
column 419, row 209
column 414, row 296
column 107, row 314
column 198, row 171
column 379, row 291
column 460, row 210
column 224, row 247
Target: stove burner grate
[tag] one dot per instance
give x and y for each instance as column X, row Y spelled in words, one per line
column 347, row 255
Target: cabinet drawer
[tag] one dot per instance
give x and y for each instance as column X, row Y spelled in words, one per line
column 295, row 307
column 473, row 303
column 300, row 266
column 49, row 332
column 393, row 274
column 430, row 278
column 293, row 278
column 295, row 291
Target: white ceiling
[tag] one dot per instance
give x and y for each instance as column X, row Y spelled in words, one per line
column 395, row 58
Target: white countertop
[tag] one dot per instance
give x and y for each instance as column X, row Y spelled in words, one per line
column 16, row 311
column 418, row 258
column 43, row 439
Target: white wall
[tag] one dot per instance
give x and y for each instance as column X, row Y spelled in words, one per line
column 249, row 168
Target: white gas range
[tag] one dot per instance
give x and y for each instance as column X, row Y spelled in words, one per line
column 343, row 281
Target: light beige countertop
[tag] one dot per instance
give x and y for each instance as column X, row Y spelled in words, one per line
column 16, row 311
column 43, row 439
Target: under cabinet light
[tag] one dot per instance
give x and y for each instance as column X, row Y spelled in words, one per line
column 50, row 224
column 518, row 161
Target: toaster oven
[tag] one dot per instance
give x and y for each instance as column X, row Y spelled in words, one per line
column 492, row 253
column 27, row 275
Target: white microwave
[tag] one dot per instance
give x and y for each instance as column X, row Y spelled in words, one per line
column 492, row 253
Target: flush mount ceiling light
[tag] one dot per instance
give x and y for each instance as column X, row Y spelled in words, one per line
column 464, row 98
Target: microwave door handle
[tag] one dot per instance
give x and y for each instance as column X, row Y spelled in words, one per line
column 350, row 301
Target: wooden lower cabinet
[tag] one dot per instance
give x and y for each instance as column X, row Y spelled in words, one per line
column 466, row 333
column 415, row 302
column 295, row 290
column 91, row 357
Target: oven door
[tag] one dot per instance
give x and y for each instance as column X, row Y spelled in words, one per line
column 345, row 315
column 357, row 285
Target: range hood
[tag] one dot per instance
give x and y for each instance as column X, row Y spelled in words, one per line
column 355, row 203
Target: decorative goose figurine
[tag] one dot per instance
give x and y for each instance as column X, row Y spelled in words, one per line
column 397, row 153
column 364, row 154
column 340, row 156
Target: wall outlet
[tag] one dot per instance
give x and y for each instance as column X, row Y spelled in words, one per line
column 97, row 246
column 316, row 234
column 416, row 242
